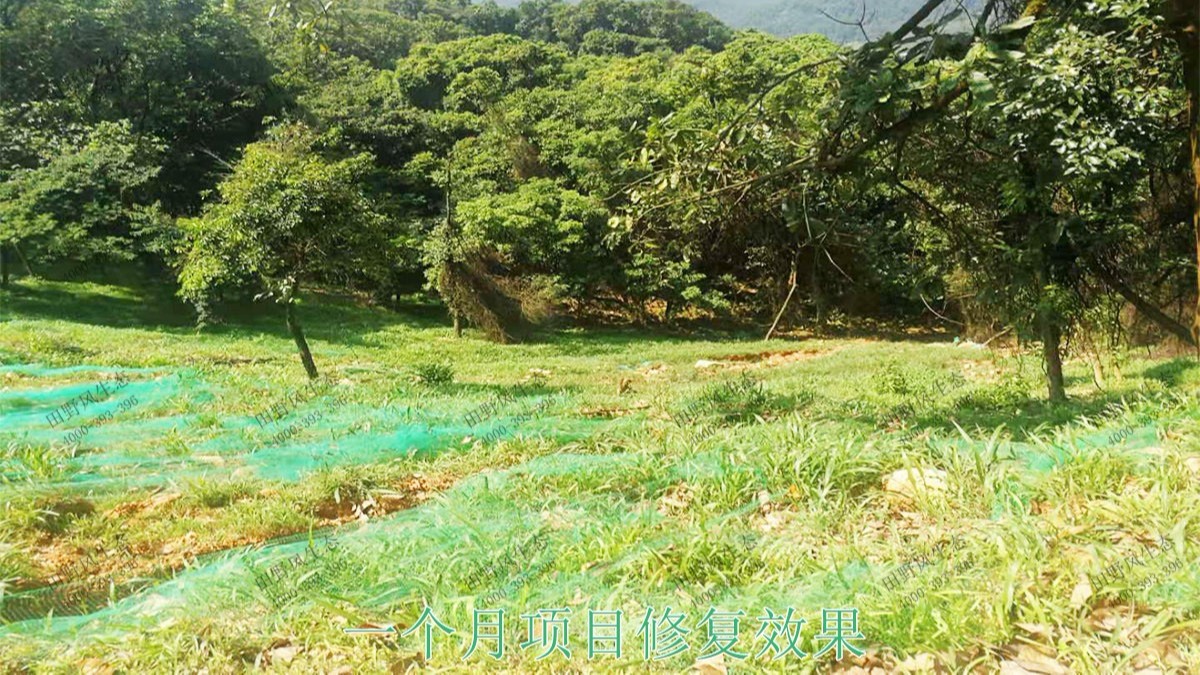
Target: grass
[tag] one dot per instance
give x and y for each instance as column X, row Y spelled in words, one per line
column 653, row 478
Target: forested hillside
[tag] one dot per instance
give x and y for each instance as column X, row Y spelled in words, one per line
column 1023, row 167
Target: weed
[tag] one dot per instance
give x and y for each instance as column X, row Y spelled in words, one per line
column 433, row 374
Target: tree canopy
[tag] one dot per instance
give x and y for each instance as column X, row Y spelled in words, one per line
column 1016, row 164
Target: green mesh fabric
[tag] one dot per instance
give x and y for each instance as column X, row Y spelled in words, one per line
column 427, row 551
column 132, row 449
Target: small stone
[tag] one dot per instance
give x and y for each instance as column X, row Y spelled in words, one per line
column 915, row 480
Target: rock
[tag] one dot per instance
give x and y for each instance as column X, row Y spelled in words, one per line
column 705, row 363
column 915, row 480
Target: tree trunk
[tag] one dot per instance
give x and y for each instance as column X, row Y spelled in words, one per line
column 1143, row 305
column 814, row 286
column 783, row 308
column 1051, row 336
column 3, row 266
column 457, row 324
column 1049, row 327
column 301, row 344
column 1184, row 21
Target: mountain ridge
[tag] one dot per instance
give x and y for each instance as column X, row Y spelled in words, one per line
column 836, row 19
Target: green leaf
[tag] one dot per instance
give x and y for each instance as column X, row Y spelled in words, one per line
column 1019, row 24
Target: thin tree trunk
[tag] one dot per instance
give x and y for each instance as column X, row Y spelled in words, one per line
column 451, row 234
column 24, row 260
column 1049, row 331
column 1147, row 308
column 1051, row 336
column 297, row 332
column 3, row 266
column 814, row 285
column 782, row 309
column 1184, row 21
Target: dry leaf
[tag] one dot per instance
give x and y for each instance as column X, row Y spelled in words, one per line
column 714, row 665
column 1038, row 630
column 408, row 664
column 1030, row 660
column 1082, row 592
column 283, row 654
column 95, row 666
column 921, row 663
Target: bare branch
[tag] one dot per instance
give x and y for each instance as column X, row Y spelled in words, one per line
column 981, row 23
column 860, row 23
column 909, row 26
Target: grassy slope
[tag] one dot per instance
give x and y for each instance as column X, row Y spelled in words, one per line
column 767, row 499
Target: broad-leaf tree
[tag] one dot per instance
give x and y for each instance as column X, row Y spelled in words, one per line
column 286, row 217
column 87, row 202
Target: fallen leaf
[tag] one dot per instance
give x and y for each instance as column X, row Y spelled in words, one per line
column 95, row 666
column 714, row 665
column 1038, row 630
column 407, row 664
column 1082, row 592
column 283, row 654
column 1030, row 660
column 921, row 663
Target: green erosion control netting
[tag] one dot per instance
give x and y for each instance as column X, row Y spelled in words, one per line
column 156, row 431
column 388, row 565
column 497, row 539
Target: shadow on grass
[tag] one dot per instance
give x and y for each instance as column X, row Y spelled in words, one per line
column 155, row 306
column 148, row 302
column 150, row 307
column 1019, row 418
column 1174, row 372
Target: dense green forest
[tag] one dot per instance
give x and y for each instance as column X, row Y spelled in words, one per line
column 1026, row 165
